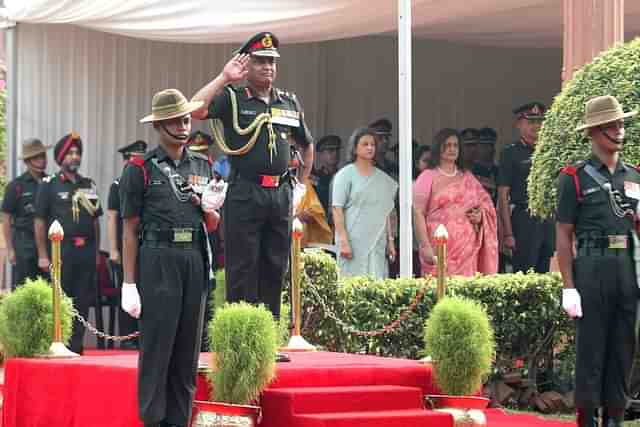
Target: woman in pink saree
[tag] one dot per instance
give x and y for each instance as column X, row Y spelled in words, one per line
column 447, row 194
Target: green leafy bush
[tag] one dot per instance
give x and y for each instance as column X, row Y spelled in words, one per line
column 614, row 72
column 459, row 338
column 26, row 319
column 524, row 309
column 244, row 343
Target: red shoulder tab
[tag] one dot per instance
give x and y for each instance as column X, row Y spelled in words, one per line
column 573, row 171
column 637, row 168
column 569, row 170
column 139, row 162
column 210, row 160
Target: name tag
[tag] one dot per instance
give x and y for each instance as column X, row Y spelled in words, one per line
column 632, row 189
column 182, row 235
column 248, row 112
column 285, row 117
column 89, row 192
column 591, row 190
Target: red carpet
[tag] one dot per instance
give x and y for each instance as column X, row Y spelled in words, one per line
column 313, row 390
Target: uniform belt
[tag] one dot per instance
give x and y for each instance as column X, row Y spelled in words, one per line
column 183, row 237
column 604, row 245
column 265, row 181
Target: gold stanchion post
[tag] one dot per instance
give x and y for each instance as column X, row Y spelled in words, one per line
column 57, row 348
column 297, row 342
column 441, row 236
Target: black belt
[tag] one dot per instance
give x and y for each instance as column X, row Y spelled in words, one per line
column 616, row 245
column 178, row 237
column 264, row 181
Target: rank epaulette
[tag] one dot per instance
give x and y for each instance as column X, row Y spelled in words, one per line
column 139, row 162
column 572, row 170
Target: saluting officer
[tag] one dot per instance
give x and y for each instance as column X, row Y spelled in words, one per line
column 530, row 239
column 597, row 210
column 260, row 124
column 72, row 200
column 126, row 323
column 18, row 209
column 168, row 204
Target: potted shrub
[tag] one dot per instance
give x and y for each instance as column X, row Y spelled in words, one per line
column 26, row 319
column 460, row 340
column 244, row 341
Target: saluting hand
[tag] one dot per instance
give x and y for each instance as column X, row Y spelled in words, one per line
column 236, row 69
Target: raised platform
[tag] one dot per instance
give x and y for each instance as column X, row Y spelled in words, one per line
column 313, row 390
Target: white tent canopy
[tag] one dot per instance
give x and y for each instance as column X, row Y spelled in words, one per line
column 532, row 23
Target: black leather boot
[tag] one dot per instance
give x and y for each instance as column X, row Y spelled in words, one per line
column 586, row 417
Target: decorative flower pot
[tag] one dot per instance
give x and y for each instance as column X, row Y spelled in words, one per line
column 215, row 414
column 467, row 411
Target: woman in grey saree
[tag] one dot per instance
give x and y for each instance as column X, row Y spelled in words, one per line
column 362, row 200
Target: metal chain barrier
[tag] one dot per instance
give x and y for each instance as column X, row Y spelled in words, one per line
column 100, row 334
column 404, row 315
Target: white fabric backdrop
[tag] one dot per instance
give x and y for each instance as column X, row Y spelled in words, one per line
column 532, row 23
column 100, row 85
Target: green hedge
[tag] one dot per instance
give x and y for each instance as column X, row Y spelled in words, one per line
column 524, row 309
column 614, row 72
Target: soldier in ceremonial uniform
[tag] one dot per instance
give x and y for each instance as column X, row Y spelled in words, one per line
column 261, row 124
column 18, row 209
column 71, row 199
column 597, row 211
column 168, row 203
column 127, row 324
column 530, row 240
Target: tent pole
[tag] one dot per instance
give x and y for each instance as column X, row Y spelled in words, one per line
column 405, row 129
column 11, row 103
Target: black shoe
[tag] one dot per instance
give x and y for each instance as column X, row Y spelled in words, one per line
column 282, row 357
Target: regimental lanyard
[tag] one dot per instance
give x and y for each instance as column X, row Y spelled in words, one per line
column 81, row 198
column 619, row 206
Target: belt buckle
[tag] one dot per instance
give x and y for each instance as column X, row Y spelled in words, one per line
column 79, row 242
column 183, row 235
column 269, row 181
column 617, row 242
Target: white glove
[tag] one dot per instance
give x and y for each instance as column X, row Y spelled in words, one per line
column 571, row 302
column 298, row 194
column 130, row 300
column 213, row 196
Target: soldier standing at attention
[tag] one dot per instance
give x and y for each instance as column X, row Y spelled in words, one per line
column 168, row 204
column 256, row 125
column 71, row 199
column 18, row 210
column 530, row 240
column 597, row 211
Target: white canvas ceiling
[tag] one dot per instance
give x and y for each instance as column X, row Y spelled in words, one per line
column 530, row 23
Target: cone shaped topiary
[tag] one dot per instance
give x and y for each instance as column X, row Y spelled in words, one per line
column 244, row 342
column 614, row 72
column 26, row 319
column 459, row 338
